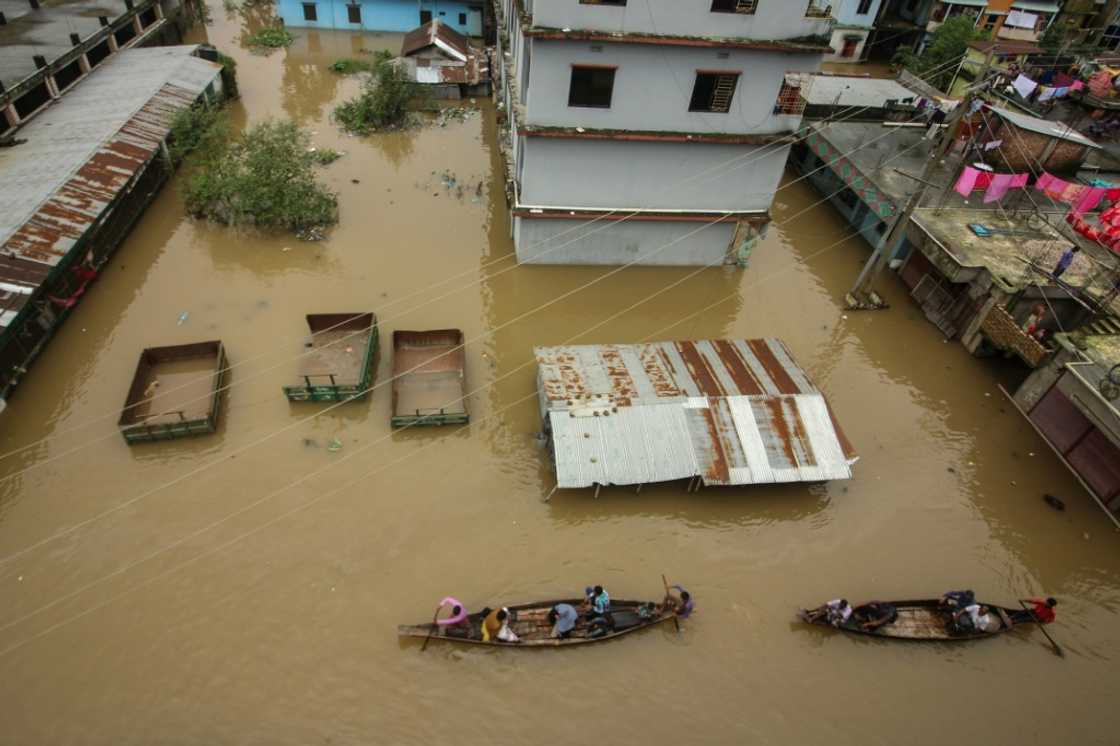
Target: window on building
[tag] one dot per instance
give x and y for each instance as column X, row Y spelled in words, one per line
column 863, row 8
column 789, row 99
column 734, row 6
column 425, row 17
column 354, row 13
column 591, row 86
column 619, row 3
column 309, row 12
column 713, row 92
column 462, row 19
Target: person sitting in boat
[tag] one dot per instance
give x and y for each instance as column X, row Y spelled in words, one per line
column 975, row 618
column 838, row 611
column 682, row 606
column 1039, row 610
column 954, row 601
column 496, row 627
column 872, row 616
column 563, row 619
column 597, row 602
column 458, row 619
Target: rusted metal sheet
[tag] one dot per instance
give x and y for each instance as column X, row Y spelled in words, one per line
column 81, row 154
column 727, row 411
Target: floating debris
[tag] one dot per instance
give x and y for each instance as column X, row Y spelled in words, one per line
column 335, row 445
column 183, row 318
column 311, row 234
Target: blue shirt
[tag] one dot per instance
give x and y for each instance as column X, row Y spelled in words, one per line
column 566, row 616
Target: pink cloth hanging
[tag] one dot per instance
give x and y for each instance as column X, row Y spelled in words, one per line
column 1043, row 181
column 1091, row 198
column 967, row 182
column 1001, row 184
column 1020, row 180
column 1073, row 193
column 983, row 180
column 1077, row 85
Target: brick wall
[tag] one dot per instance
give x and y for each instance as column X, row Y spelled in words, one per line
column 1023, row 149
column 1002, row 331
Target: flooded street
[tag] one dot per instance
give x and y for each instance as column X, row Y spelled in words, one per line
column 245, row 587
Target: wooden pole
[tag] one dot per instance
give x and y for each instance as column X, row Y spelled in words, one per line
column 676, row 622
column 430, row 631
column 1057, row 648
column 862, row 287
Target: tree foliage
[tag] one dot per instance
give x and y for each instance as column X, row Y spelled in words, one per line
column 949, row 44
column 264, row 179
column 382, row 103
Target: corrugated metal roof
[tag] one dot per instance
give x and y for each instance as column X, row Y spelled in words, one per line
column 728, row 411
column 1057, row 130
column 438, row 34
column 80, row 153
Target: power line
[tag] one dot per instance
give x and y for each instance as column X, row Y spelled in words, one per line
column 753, row 156
column 353, row 454
column 332, row 407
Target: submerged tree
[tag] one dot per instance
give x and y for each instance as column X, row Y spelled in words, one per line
column 382, row 104
column 265, row 178
column 949, row 44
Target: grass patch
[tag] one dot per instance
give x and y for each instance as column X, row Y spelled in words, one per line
column 263, row 179
column 350, row 66
column 325, row 156
column 272, row 37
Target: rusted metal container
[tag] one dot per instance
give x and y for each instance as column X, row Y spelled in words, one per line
column 429, row 378
column 337, row 364
column 175, row 392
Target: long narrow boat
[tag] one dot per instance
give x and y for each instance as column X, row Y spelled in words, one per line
column 530, row 623
column 923, row 619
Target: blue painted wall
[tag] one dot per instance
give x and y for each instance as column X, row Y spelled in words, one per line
column 465, row 16
column 845, row 13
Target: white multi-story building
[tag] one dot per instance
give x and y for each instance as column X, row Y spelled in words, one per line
column 665, row 122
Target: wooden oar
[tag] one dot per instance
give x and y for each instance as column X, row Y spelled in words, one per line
column 1041, row 626
column 433, row 629
column 676, row 622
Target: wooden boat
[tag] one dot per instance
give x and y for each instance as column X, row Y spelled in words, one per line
column 922, row 619
column 530, row 623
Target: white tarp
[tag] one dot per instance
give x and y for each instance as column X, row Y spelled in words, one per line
column 1020, row 19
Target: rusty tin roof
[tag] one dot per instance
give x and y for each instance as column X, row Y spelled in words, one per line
column 81, row 153
column 728, row 411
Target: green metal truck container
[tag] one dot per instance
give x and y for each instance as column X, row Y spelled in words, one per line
column 337, row 363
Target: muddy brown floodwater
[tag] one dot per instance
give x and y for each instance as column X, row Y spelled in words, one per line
column 177, row 593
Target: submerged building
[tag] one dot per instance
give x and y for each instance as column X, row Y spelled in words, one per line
column 664, row 124
column 464, row 16
column 75, row 177
column 718, row 412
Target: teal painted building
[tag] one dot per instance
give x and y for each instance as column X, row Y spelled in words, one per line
column 465, row 16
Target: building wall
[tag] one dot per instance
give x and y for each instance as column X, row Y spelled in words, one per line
column 385, row 15
column 846, row 13
column 784, row 19
column 617, row 174
column 1026, row 150
column 653, row 86
column 539, row 241
column 839, row 40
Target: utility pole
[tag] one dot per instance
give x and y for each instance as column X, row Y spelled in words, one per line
column 861, row 296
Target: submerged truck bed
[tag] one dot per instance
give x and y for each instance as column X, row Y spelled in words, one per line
column 337, row 360
column 175, row 392
column 429, row 386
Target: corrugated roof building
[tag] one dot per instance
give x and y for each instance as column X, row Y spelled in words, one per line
column 68, row 188
column 726, row 411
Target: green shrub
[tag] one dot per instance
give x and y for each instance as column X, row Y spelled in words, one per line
column 264, row 179
column 349, row 66
column 197, row 127
column 325, row 156
column 271, row 37
column 381, row 105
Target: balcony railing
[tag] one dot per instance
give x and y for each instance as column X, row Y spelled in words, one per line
column 818, row 10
